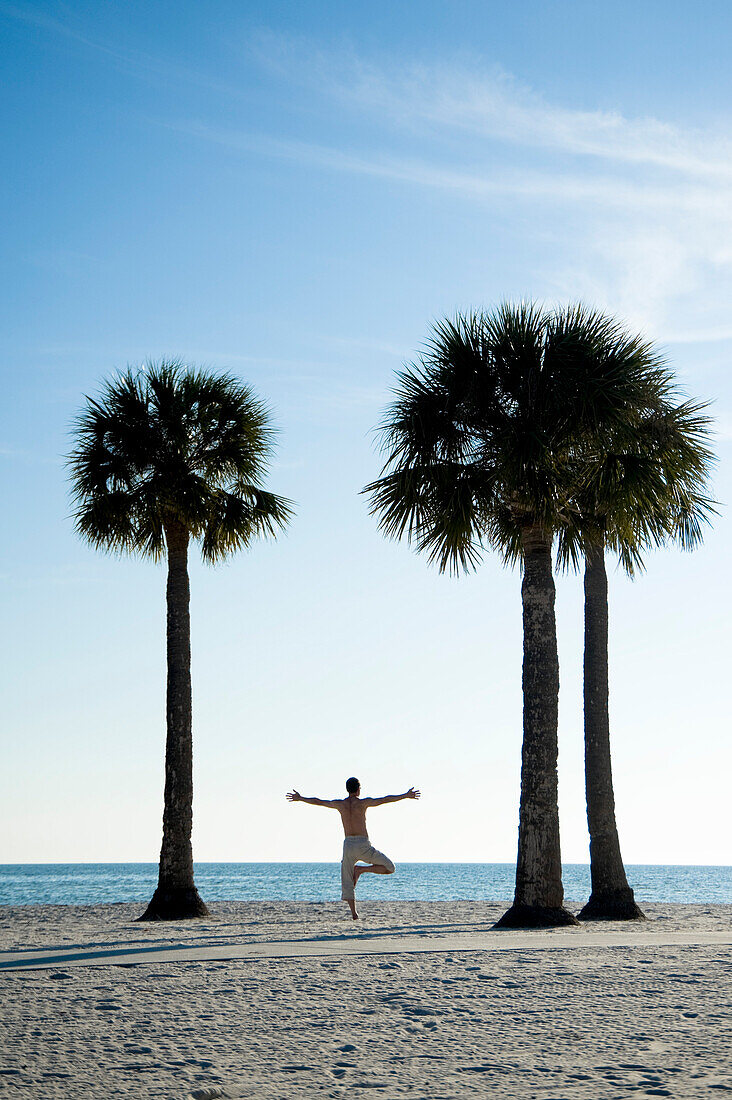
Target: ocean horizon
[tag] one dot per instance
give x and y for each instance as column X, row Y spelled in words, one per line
column 100, row 883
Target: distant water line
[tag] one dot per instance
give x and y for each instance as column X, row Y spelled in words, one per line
column 97, row 883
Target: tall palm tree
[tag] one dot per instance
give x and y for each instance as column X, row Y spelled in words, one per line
column 478, row 443
column 167, row 456
column 640, row 486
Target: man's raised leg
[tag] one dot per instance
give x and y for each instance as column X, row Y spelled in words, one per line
column 381, row 865
column 370, row 868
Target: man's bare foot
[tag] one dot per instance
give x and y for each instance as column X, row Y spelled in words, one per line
column 357, row 872
column 352, row 905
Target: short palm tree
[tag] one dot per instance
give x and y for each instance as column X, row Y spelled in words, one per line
column 478, row 445
column 640, row 486
column 167, row 456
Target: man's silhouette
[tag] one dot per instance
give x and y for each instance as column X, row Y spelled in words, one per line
column 356, row 845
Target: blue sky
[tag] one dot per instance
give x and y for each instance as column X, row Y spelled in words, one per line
column 293, row 192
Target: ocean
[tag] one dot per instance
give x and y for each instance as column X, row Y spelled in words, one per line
column 93, row 883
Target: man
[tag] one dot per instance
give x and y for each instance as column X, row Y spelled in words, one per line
column 356, row 845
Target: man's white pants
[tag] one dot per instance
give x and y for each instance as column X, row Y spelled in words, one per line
column 357, row 848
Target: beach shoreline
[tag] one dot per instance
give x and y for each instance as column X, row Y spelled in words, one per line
column 651, row 1017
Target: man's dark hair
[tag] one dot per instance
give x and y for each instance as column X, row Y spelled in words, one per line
column 352, row 785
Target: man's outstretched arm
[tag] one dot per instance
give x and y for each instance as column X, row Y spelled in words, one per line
column 411, row 793
column 295, row 796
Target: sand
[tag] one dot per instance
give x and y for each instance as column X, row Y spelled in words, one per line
column 273, row 1000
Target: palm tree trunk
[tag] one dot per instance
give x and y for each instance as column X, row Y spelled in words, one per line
column 612, row 897
column 539, row 896
column 176, row 897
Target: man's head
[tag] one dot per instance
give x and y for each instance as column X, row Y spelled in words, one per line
column 352, row 785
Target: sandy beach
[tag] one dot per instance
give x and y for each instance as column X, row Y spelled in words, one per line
column 421, row 999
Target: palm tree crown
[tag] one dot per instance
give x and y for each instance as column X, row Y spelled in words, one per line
column 480, row 437
column 172, row 445
column 642, row 484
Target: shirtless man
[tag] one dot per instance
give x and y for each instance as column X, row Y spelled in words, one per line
column 356, row 845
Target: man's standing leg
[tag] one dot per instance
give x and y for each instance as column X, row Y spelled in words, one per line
column 348, row 884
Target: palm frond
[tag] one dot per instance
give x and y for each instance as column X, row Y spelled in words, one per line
column 236, row 519
column 437, row 508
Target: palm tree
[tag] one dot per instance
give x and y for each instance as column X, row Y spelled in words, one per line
column 478, row 442
column 166, row 456
column 641, row 486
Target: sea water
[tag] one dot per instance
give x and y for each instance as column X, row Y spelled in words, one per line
column 93, row 883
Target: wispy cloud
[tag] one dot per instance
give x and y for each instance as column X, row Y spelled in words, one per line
column 501, row 107
column 495, row 104
column 494, row 181
column 641, row 207
column 632, row 244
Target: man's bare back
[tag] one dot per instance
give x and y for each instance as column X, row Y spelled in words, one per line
column 353, row 816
